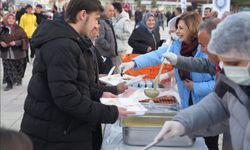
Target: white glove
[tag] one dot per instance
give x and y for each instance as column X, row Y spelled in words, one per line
column 169, row 130
column 164, row 76
column 171, row 58
column 126, row 66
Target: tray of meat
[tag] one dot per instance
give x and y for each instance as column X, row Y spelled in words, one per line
column 162, row 102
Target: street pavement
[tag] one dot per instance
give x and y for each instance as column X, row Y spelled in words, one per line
column 12, row 101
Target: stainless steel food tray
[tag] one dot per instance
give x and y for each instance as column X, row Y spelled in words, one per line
column 147, row 120
column 141, row 136
column 151, row 106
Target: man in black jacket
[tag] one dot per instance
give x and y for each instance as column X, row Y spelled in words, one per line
column 39, row 15
column 62, row 108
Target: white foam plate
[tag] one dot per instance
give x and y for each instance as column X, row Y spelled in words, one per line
column 115, row 79
column 128, row 103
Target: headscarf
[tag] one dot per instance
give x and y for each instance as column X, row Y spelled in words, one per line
column 144, row 21
column 17, row 33
column 5, row 21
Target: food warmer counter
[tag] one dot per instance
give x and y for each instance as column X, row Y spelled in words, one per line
column 135, row 132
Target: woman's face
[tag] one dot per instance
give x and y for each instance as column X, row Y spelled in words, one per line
column 183, row 32
column 150, row 22
column 11, row 20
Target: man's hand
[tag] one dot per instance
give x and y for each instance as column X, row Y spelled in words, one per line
column 108, row 95
column 123, row 113
column 121, row 87
column 189, row 84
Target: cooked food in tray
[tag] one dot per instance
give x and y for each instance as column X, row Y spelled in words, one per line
column 168, row 99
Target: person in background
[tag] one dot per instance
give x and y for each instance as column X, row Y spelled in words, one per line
column 56, row 14
column 64, row 10
column 189, row 9
column 146, row 37
column 225, row 14
column 230, row 100
column 106, row 41
column 103, row 64
column 62, row 109
column 13, row 48
column 29, row 24
column 94, row 78
column 172, row 22
column 20, row 12
column 207, row 13
column 13, row 140
column 138, row 15
column 1, row 18
column 39, row 14
column 214, row 14
column 168, row 16
column 192, row 87
column 123, row 29
column 99, row 65
column 160, row 17
column 202, row 65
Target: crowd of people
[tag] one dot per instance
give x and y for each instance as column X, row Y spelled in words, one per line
column 210, row 56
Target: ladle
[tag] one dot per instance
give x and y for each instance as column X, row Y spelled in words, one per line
column 152, row 93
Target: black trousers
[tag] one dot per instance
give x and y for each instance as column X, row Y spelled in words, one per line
column 97, row 137
column 32, row 50
column 212, row 142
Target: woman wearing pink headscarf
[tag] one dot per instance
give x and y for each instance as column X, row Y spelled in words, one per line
column 13, row 46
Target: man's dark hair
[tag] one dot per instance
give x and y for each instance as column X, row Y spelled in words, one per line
column 39, row 6
column 208, row 8
column 28, row 6
column 55, row 7
column 189, row 8
column 178, row 9
column 75, row 6
column 117, row 6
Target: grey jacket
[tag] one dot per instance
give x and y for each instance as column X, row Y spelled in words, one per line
column 123, row 29
column 227, row 107
column 201, row 65
column 106, row 42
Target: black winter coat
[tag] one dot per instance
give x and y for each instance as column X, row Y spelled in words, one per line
column 141, row 39
column 62, row 107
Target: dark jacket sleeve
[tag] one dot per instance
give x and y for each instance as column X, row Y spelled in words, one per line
column 62, row 73
column 192, row 64
column 96, row 92
column 136, row 43
column 101, row 40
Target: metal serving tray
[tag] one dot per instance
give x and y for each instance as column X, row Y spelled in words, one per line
column 141, row 136
column 141, row 130
column 154, row 116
